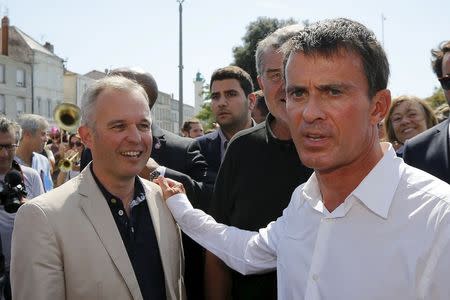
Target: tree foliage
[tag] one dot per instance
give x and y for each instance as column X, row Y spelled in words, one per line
column 439, row 104
column 244, row 56
column 206, row 116
column 437, row 99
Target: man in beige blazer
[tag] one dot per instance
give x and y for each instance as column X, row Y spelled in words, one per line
column 89, row 238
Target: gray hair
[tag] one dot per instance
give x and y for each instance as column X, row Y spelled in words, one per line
column 142, row 77
column 329, row 37
column 89, row 99
column 32, row 123
column 9, row 126
column 273, row 42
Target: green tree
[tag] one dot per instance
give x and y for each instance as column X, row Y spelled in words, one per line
column 437, row 99
column 244, row 56
column 206, row 116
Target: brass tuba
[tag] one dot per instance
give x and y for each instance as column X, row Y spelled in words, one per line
column 67, row 116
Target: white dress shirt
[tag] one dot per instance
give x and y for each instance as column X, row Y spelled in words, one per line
column 389, row 239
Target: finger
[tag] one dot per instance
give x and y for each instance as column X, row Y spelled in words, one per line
column 163, row 183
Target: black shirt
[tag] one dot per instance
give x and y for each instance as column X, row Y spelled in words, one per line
column 253, row 186
column 138, row 236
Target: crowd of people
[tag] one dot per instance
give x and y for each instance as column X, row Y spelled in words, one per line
column 318, row 186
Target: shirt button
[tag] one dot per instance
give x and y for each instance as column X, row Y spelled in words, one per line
column 315, row 277
column 120, row 212
column 113, row 201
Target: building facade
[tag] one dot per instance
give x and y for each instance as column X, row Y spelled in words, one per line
column 38, row 86
column 15, row 87
column 74, row 87
column 188, row 112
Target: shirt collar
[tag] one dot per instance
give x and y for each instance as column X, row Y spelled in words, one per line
column 138, row 196
column 224, row 142
column 376, row 191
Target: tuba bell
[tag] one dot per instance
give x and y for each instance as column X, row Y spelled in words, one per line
column 67, row 116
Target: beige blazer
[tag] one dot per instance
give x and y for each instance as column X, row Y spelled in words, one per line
column 66, row 245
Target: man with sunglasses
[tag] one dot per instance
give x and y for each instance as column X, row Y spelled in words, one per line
column 9, row 139
column 430, row 150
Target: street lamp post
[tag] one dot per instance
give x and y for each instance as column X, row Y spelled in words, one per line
column 383, row 18
column 180, row 69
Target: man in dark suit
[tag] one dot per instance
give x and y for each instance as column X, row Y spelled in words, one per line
column 180, row 159
column 430, row 150
column 232, row 101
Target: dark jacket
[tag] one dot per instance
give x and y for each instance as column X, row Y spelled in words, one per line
column 429, row 151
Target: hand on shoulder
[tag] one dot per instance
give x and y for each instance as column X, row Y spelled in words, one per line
column 169, row 187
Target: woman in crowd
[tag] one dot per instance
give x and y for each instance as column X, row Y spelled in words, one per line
column 69, row 166
column 407, row 117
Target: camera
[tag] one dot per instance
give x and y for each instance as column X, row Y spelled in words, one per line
column 12, row 190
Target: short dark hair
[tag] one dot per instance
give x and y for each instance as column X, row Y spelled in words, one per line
column 438, row 56
column 187, row 125
column 234, row 72
column 143, row 78
column 328, row 37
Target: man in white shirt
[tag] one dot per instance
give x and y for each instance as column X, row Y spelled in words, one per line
column 365, row 225
column 32, row 142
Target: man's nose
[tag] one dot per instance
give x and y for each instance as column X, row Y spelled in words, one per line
column 133, row 134
column 3, row 151
column 222, row 101
column 313, row 109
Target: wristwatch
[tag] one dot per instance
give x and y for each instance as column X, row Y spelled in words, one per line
column 154, row 175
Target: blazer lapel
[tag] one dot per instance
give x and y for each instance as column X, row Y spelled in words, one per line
column 441, row 148
column 98, row 212
column 164, row 229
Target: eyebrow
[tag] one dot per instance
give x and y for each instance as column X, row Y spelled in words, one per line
column 291, row 88
column 334, row 85
column 119, row 121
column 226, row 91
column 273, row 70
column 320, row 87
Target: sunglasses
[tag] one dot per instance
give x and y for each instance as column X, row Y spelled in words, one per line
column 8, row 147
column 445, row 82
column 78, row 144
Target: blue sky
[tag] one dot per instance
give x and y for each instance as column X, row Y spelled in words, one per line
column 107, row 34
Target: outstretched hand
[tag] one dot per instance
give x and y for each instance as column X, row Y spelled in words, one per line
column 169, row 187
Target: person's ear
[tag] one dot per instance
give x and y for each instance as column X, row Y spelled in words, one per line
column 380, row 105
column 85, row 134
column 251, row 101
column 260, row 82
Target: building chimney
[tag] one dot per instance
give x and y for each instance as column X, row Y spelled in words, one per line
column 49, row 47
column 5, row 35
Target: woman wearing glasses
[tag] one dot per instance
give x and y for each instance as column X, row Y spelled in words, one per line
column 69, row 165
column 407, row 117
